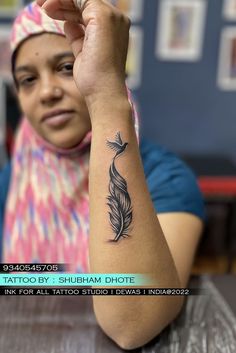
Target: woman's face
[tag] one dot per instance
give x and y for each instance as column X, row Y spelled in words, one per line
column 47, row 92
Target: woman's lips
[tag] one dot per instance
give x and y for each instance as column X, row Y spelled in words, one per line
column 57, row 118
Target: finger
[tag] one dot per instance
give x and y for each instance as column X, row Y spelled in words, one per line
column 55, row 5
column 40, row 2
column 63, row 15
column 75, row 35
column 83, row 4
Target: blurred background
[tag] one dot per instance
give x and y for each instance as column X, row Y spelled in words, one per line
column 181, row 68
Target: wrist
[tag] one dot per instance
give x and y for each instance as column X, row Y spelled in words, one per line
column 105, row 109
column 110, row 90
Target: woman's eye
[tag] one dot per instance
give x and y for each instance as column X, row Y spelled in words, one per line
column 27, row 81
column 66, row 68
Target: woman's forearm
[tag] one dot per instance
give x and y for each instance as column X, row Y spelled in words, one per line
column 141, row 246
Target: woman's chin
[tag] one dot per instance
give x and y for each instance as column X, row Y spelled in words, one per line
column 65, row 138
column 66, row 143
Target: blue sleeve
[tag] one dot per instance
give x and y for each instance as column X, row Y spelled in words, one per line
column 5, row 176
column 172, row 185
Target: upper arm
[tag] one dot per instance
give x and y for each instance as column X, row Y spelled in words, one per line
column 182, row 232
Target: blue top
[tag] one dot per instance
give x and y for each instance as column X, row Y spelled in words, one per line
column 172, row 185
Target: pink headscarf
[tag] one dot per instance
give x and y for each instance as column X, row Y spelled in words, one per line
column 47, row 210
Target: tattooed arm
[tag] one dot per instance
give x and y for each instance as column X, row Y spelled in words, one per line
column 125, row 234
column 121, row 210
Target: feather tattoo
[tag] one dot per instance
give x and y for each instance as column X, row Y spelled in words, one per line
column 118, row 200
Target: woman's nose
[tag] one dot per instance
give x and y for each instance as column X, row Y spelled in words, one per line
column 50, row 91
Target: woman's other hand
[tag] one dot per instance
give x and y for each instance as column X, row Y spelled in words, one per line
column 99, row 35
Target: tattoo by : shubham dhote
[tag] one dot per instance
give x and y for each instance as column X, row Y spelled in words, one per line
column 118, row 200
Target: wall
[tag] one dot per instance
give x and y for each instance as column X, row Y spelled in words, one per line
column 180, row 103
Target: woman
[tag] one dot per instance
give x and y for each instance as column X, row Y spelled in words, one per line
column 68, row 87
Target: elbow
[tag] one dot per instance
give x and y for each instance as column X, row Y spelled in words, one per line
column 141, row 333
column 133, row 341
column 128, row 338
column 129, row 343
column 134, row 332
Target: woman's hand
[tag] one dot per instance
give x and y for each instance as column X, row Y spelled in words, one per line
column 99, row 35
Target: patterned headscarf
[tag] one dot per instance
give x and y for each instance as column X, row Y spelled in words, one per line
column 32, row 20
column 47, row 210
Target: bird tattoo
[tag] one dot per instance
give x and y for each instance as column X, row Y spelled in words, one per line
column 118, row 145
column 119, row 201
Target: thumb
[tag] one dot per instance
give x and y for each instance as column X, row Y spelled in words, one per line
column 75, row 35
